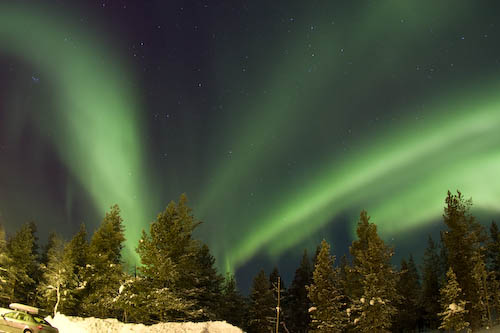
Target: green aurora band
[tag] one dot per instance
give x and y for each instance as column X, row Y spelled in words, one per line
column 96, row 131
column 459, row 151
column 399, row 173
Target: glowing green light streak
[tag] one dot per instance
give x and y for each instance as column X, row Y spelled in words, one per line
column 450, row 139
column 281, row 111
column 97, row 131
column 271, row 115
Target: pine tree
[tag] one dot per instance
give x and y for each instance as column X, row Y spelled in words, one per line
column 453, row 305
column 131, row 301
column 376, row 307
column 262, row 306
column 494, row 291
column 234, row 307
column 208, row 284
column 493, row 259
column 480, row 278
column 78, row 248
column 345, row 282
column 463, row 243
column 6, row 277
column 170, row 262
column 141, row 302
column 493, row 250
column 444, row 266
column 430, row 286
column 408, row 287
column 51, row 240
column 76, row 258
column 104, row 271
column 24, row 268
column 297, row 303
column 316, row 253
column 325, row 296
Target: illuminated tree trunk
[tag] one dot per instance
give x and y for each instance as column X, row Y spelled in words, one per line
column 58, row 294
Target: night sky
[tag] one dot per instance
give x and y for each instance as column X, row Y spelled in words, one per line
column 281, row 120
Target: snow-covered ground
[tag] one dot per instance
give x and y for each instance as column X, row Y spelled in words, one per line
column 67, row 324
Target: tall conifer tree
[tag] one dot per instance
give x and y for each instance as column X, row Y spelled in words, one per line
column 346, row 282
column 234, row 307
column 208, row 284
column 453, row 305
column 24, row 267
column 493, row 256
column 104, row 272
column 76, row 257
column 493, row 250
column 327, row 313
column 408, row 288
column 262, row 306
column 6, row 276
column 51, row 242
column 170, row 263
column 297, row 304
column 463, row 243
column 376, row 307
column 430, row 286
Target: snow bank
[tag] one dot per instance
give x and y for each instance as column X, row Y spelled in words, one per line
column 67, row 324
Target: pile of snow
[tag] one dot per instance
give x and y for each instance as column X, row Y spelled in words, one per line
column 67, row 324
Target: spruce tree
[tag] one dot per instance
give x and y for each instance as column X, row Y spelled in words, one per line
column 234, row 307
column 130, row 300
column 76, row 257
column 170, row 263
column 463, row 243
column 494, row 291
column 6, row 276
column 297, row 303
column 444, row 266
column 24, row 267
column 480, row 277
column 345, row 281
column 493, row 259
column 453, row 305
column 325, row 295
column 208, row 284
column 493, row 250
column 376, row 307
column 51, row 242
column 262, row 306
column 408, row 287
column 104, row 271
column 430, row 286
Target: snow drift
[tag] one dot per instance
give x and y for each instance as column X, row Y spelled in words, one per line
column 67, row 324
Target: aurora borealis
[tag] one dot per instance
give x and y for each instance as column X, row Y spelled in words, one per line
column 279, row 120
column 91, row 96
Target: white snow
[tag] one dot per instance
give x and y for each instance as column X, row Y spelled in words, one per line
column 67, row 324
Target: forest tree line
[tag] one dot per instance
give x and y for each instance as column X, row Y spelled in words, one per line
column 457, row 286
